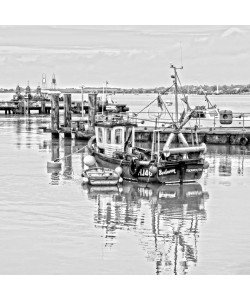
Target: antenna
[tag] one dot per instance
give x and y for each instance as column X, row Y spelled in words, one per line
column 44, row 81
column 53, row 82
column 181, row 53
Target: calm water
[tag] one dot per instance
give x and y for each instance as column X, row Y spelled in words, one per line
column 51, row 224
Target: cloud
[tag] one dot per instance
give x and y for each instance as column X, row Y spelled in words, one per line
column 232, row 31
column 201, row 39
column 126, row 55
column 27, row 58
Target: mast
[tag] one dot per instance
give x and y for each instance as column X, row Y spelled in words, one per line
column 175, row 77
column 176, row 96
column 106, row 96
column 102, row 98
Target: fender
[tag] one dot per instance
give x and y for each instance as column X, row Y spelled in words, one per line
column 243, row 141
column 134, row 167
column 90, row 144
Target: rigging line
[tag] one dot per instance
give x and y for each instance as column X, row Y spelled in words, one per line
column 147, row 106
column 58, row 159
column 153, row 101
column 168, row 89
column 171, row 116
column 181, row 86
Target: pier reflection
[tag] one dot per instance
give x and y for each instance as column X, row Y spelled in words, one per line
column 67, row 172
column 227, row 161
column 55, row 154
column 165, row 218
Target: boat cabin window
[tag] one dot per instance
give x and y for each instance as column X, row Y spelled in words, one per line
column 201, row 114
column 213, row 113
column 108, row 136
column 100, row 137
column 118, row 136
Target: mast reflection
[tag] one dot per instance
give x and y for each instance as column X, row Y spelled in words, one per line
column 166, row 219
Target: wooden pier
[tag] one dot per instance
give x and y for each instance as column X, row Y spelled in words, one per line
column 70, row 126
column 21, row 108
column 78, row 128
column 40, row 107
column 217, row 136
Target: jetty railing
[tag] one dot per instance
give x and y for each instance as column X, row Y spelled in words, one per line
column 7, row 104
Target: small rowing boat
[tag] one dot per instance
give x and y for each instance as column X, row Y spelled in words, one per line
column 101, row 176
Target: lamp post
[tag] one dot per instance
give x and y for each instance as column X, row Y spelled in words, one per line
column 82, row 87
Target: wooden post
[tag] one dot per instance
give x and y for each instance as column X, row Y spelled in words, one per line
column 67, row 115
column 55, row 173
column 82, row 101
column 67, row 159
column 22, row 107
column 54, row 114
column 43, row 109
column 55, row 151
column 28, row 106
column 92, row 106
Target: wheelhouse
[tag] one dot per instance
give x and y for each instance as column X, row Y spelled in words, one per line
column 114, row 137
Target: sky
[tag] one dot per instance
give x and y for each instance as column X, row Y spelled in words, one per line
column 125, row 56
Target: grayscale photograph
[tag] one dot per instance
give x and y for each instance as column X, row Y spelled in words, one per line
column 125, row 150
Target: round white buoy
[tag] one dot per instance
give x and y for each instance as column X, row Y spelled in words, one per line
column 204, row 146
column 54, row 164
column 118, row 170
column 166, row 151
column 153, row 169
column 85, row 180
column 89, row 160
column 120, row 180
column 85, row 167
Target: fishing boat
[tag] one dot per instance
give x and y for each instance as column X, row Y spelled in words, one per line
column 113, row 146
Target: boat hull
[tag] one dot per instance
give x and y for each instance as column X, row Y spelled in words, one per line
column 168, row 172
column 82, row 135
column 101, row 177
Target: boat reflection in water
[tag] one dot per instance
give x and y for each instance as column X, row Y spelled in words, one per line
column 166, row 219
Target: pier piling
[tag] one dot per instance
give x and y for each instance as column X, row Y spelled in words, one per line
column 43, row 108
column 55, row 169
column 28, row 107
column 67, row 115
column 54, row 114
column 92, row 111
column 67, row 158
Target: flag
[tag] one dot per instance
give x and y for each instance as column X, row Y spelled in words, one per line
column 185, row 99
column 160, row 102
